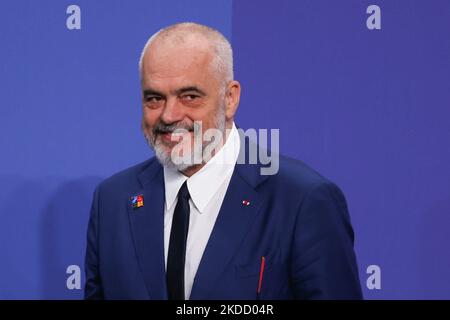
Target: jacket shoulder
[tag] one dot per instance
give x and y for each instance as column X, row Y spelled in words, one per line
column 297, row 174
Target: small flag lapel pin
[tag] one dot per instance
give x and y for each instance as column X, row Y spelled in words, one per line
column 245, row 202
column 137, row 201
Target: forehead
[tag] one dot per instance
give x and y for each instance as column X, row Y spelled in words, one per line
column 170, row 64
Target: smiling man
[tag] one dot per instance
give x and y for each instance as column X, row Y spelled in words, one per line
column 187, row 76
column 188, row 225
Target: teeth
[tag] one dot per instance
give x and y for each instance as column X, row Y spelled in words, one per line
column 177, row 134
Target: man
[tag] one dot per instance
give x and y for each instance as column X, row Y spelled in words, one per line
column 186, row 225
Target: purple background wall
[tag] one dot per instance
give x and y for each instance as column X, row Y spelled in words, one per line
column 370, row 109
column 367, row 108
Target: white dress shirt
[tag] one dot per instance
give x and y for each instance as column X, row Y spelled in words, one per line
column 207, row 188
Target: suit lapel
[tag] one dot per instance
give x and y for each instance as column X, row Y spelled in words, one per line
column 147, row 225
column 232, row 224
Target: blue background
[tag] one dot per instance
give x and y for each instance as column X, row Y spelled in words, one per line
column 367, row 108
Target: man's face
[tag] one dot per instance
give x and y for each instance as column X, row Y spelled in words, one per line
column 179, row 88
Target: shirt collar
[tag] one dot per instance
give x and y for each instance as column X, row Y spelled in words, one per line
column 204, row 184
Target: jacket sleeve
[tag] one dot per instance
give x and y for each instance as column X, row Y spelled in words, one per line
column 93, row 287
column 323, row 262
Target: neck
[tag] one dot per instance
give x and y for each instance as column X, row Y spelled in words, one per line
column 192, row 170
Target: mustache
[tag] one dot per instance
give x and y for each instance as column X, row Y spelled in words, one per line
column 162, row 128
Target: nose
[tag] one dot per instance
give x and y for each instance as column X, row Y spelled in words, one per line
column 172, row 112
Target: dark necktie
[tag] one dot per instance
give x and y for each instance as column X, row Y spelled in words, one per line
column 177, row 246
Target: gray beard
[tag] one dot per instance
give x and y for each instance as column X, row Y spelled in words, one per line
column 163, row 154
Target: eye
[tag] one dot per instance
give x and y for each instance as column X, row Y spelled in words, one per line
column 190, row 97
column 153, row 98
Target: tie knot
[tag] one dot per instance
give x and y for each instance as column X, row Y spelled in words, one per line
column 184, row 192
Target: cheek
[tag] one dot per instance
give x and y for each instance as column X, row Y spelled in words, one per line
column 206, row 115
column 151, row 116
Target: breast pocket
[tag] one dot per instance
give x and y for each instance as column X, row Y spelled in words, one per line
column 253, row 268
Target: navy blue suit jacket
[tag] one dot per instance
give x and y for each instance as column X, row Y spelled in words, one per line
column 297, row 219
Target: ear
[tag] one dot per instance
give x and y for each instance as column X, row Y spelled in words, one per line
column 232, row 96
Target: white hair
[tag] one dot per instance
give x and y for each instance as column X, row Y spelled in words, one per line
column 222, row 51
